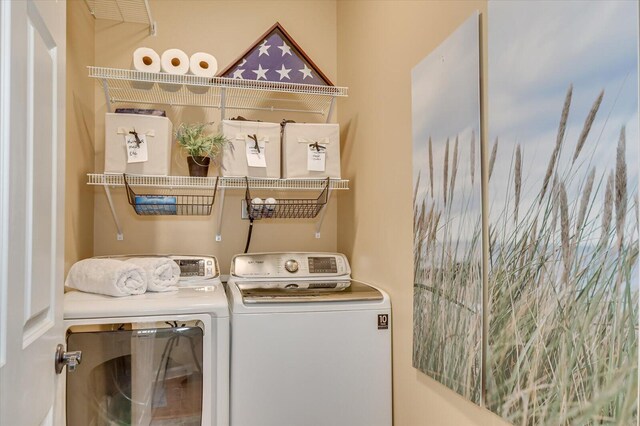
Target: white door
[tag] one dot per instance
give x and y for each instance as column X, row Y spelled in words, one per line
column 32, row 100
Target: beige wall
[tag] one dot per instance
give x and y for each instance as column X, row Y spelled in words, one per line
column 372, row 46
column 80, row 134
column 225, row 29
column 378, row 45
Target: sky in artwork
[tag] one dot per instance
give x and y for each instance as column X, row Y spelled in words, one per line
column 536, row 51
column 446, row 105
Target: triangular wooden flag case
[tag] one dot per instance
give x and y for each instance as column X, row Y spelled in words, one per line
column 275, row 56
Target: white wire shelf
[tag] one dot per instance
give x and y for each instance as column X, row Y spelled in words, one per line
column 131, row 86
column 152, row 181
column 188, row 182
column 134, row 11
column 282, row 184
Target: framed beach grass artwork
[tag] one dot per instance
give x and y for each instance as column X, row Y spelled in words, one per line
column 563, row 212
column 447, row 288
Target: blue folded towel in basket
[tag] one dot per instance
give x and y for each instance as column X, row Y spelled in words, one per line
column 155, row 204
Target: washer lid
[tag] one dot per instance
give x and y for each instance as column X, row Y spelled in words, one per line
column 186, row 300
column 308, row 292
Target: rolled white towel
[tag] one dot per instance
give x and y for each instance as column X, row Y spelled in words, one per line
column 107, row 276
column 162, row 273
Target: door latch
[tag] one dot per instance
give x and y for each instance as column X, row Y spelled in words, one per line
column 70, row 359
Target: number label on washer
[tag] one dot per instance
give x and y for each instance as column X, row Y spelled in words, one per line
column 383, row 321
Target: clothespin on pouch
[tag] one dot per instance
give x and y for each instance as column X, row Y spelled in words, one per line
column 135, row 135
column 255, row 139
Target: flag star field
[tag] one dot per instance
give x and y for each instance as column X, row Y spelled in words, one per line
column 275, row 59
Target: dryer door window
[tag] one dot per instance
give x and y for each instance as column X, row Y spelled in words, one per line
column 142, row 376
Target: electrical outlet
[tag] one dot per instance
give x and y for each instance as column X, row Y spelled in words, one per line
column 243, row 210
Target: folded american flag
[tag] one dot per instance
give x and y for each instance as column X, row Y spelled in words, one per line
column 276, row 57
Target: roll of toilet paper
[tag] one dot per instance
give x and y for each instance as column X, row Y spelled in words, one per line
column 203, row 64
column 257, row 204
column 269, row 206
column 174, row 61
column 270, row 203
column 146, row 59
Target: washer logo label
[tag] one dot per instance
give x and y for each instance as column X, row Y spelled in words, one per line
column 383, row 321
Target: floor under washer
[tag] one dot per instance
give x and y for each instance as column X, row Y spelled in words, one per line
column 151, row 359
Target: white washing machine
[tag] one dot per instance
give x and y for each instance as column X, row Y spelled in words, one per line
column 309, row 346
column 151, row 359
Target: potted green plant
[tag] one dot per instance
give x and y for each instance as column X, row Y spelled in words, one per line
column 202, row 149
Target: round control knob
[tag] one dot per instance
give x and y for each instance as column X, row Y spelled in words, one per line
column 291, row 265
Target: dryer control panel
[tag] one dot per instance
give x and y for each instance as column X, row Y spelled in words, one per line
column 290, row 265
column 203, row 267
column 193, row 269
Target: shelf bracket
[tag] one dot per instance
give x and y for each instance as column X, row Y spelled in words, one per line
column 220, row 203
column 153, row 26
column 105, row 88
column 119, row 235
column 153, row 29
column 223, row 102
column 323, row 212
column 330, row 112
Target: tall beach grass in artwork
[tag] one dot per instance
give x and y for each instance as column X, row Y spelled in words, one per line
column 563, row 281
column 447, row 270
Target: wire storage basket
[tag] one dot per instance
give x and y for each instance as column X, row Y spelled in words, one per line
column 285, row 208
column 167, row 202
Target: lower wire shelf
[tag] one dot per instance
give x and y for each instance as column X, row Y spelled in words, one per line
column 285, row 208
column 195, row 202
column 186, row 195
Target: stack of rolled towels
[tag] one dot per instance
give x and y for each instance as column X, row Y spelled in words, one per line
column 115, row 277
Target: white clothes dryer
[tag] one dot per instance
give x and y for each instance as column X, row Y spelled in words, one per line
column 309, row 345
column 151, row 359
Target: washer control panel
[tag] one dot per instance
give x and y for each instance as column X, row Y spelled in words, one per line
column 287, row 265
column 291, row 265
column 323, row 265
